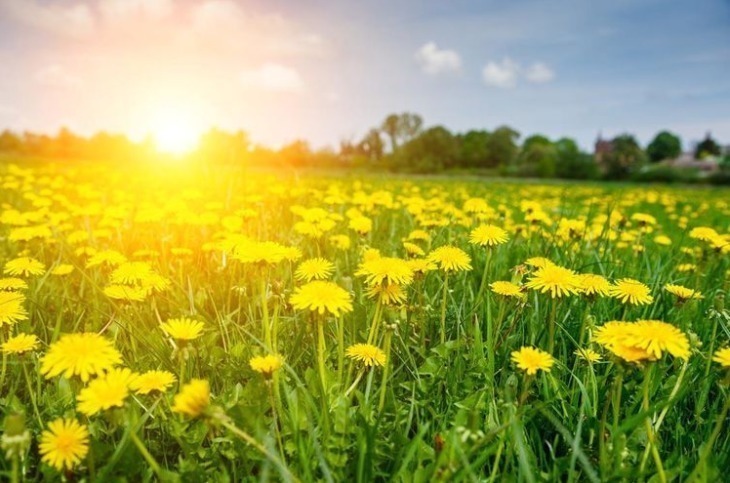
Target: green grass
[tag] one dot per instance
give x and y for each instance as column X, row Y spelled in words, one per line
column 453, row 411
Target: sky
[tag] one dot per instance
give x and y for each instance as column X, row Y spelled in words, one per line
column 327, row 71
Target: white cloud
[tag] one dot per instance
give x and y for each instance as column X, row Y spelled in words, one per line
column 501, row 74
column 118, row 10
column 273, row 77
column 435, row 61
column 56, row 76
column 539, row 73
column 73, row 20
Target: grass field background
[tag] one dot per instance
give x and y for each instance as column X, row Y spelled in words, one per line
column 443, row 399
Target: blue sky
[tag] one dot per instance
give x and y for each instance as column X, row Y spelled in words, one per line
column 326, row 71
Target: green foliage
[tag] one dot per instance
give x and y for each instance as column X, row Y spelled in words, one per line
column 625, row 157
column 707, row 147
column 665, row 145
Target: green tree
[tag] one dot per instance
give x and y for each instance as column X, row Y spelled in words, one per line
column 502, row 147
column 538, row 157
column 432, row 150
column 625, row 157
column 707, row 147
column 473, row 151
column 572, row 163
column 401, row 128
column 372, row 145
column 665, row 145
column 10, row 142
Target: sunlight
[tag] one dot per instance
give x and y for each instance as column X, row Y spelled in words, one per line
column 175, row 131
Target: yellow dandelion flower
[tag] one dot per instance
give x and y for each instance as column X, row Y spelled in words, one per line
column 413, row 249
column 193, row 399
column 703, row 233
column 12, row 284
column 488, row 235
column 722, row 357
column 322, row 297
column 385, row 270
column 450, row 259
column 64, row 444
column 531, row 360
column 631, row 291
column 391, row 294
column 686, row 267
column 682, row 293
column 314, row 269
column 420, row 266
column 420, row 235
column 558, row 281
column 507, row 289
column 152, row 381
column 588, row 355
column 266, row 365
column 62, row 269
column 662, row 240
column 11, row 308
column 369, row 355
column 539, row 262
column 656, row 337
column 106, row 391
column 592, row 284
column 182, row 328
column 20, row 344
column 84, row 355
column 341, row 242
column 24, row 266
column 132, row 293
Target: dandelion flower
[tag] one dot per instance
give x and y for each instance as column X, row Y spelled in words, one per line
column 266, row 365
column 132, row 293
column 593, row 284
column 11, row 308
column 722, row 357
column 105, row 392
column 588, row 355
column 12, row 284
column 682, row 293
column 20, row 344
column 558, row 281
column 152, row 381
column 631, row 291
column 507, row 289
column 182, row 329
column 391, row 294
column 656, row 337
column 539, row 262
column 413, row 249
column 193, row 399
column 531, row 360
column 314, row 269
column 322, row 297
column 421, row 266
column 385, row 270
column 369, row 355
column 451, row 259
column 62, row 269
column 24, row 266
column 64, row 444
column 488, row 235
column 84, row 355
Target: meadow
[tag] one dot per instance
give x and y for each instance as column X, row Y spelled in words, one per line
column 177, row 323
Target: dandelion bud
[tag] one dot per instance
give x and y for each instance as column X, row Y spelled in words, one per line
column 16, row 438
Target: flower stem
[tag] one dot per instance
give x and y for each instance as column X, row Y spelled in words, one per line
column 386, row 371
column 146, row 454
column 443, row 308
column 321, row 347
column 651, row 436
column 285, row 473
column 707, row 449
column 272, row 401
column 32, row 394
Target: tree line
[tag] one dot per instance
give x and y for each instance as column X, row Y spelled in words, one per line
column 402, row 143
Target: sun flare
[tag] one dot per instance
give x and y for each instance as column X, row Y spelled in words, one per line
column 175, row 131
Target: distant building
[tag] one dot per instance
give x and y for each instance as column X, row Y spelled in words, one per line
column 602, row 148
column 705, row 166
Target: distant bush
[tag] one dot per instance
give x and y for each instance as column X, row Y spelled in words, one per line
column 665, row 174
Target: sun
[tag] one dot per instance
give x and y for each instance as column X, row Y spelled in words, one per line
column 175, row 131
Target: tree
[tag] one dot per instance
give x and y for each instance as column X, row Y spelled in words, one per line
column 572, row 163
column 625, row 157
column 10, row 142
column 665, row 145
column 372, row 145
column 473, row 151
column 707, row 147
column 502, row 147
column 432, row 150
column 538, row 157
column 401, row 128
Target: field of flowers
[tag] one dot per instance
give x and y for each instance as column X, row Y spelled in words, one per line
column 192, row 325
